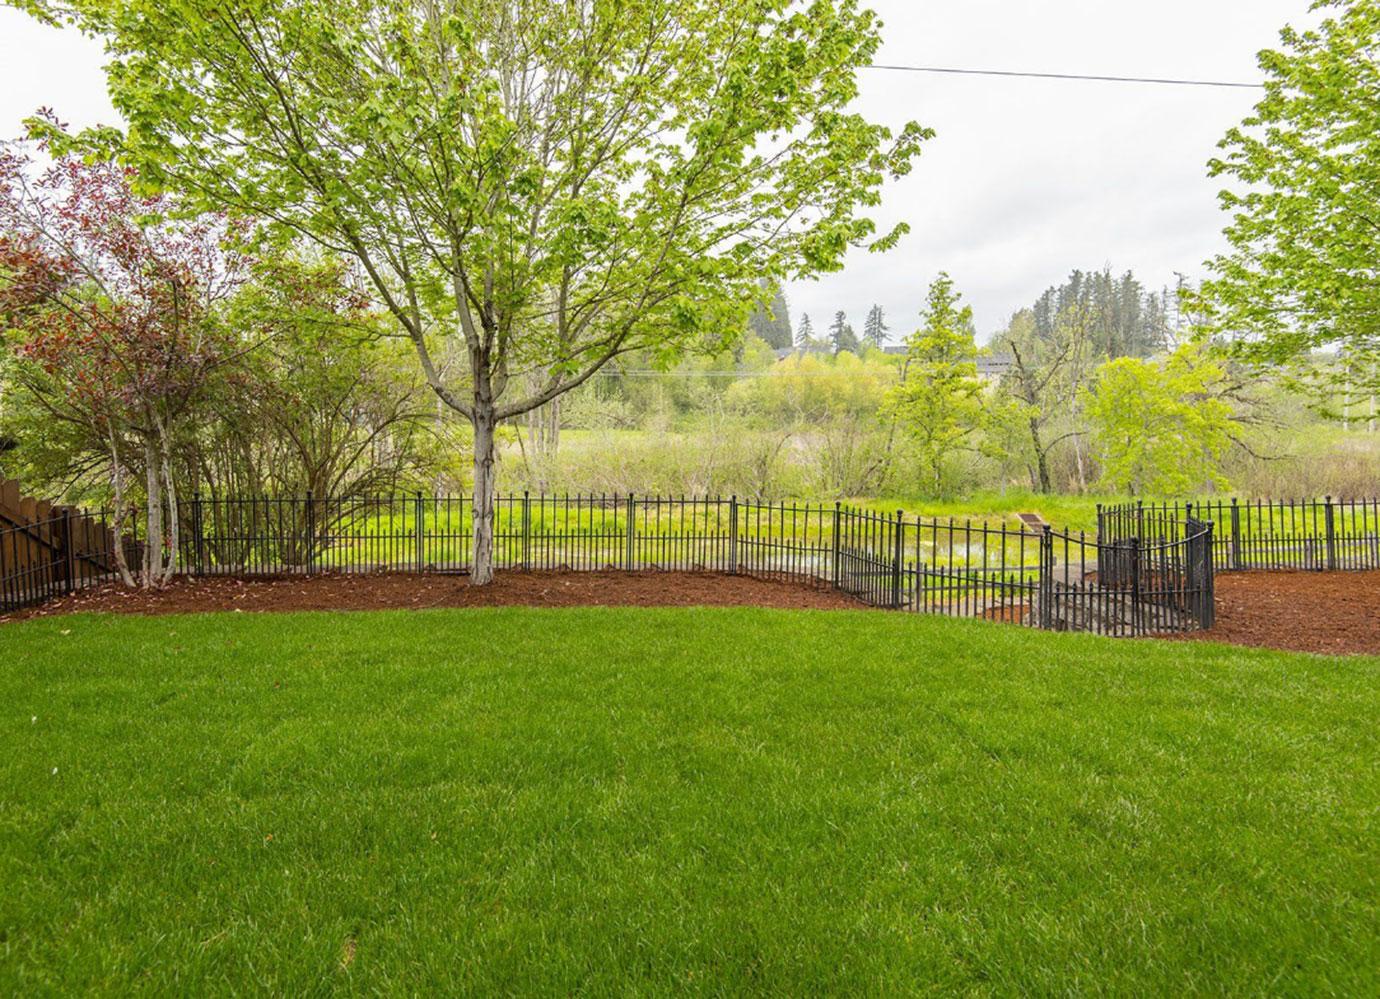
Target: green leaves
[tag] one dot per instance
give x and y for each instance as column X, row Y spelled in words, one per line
column 939, row 400
column 553, row 164
column 1305, row 226
column 1161, row 428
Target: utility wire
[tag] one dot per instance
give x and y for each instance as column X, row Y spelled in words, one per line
column 1069, row 76
column 716, row 374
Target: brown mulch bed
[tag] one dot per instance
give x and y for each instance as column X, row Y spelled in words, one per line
column 1330, row 612
column 382, row 591
column 1336, row 612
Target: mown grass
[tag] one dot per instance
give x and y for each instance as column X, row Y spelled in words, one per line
column 641, row 801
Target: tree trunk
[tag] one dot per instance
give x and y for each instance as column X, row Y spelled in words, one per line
column 153, row 495
column 482, row 566
column 117, row 472
column 170, row 494
column 1041, row 457
column 553, row 430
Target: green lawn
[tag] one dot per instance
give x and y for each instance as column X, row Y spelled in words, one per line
column 661, row 800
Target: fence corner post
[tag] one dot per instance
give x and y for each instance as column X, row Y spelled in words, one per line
column 1329, row 521
column 1208, row 619
column 629, row 556
column 733, row 535
column 1045, row 587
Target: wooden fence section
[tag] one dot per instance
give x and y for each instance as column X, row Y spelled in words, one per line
column 1320, row 535
column 47, row 550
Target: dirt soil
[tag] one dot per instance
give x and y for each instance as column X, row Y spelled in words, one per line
column 1331, row 612
column 381, row 591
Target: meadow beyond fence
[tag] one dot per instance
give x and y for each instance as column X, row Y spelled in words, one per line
column 1045, row 579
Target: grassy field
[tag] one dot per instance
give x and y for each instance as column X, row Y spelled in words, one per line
column 648, row 801
column 1071, row 513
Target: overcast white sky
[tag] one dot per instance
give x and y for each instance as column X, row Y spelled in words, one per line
column 1025, row 180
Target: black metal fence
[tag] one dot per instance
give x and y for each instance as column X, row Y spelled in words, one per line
column 954, row 567
column 1320, row 535
column 1155, row 582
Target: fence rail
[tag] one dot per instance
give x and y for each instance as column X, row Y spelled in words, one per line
column 959, row 568
column 1320, row 535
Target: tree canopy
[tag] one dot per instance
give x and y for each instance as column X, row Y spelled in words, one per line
column 939, row 399
column 1119, row 317
column 553, row 184
column 1161, row 427
column 1305, row 206
column 114, row 307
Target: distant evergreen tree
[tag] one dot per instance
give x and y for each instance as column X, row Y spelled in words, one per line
column 842, row 337
column 772, row 324
column 875, row 328
column 805, row 332
column 1120, row 317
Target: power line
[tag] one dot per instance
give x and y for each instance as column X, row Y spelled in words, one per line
column 652, row 373
column 1070, row 76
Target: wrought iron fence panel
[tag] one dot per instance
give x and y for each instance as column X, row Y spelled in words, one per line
column 1150, row 569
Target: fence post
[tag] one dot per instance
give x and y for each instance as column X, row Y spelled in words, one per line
column 419, row 512
column 1140, row 518
column 1329, row 521
column 896, row 560
column 1046, row 581
column 1208, row 618
column 69, row 562
column 526, row 530
column 837, row 577
column 1101, row 540
column 198, row 541
column 733, row 535
column 311, row 534
column 631, row 552
column 1235, row 534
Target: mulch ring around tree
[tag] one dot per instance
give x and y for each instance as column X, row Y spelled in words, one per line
column 1329, row 612
column 384, row 591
